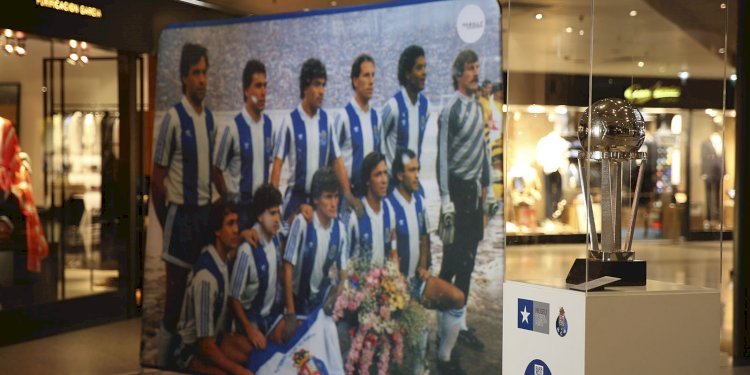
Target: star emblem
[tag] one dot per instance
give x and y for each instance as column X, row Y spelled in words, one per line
column 525, row 315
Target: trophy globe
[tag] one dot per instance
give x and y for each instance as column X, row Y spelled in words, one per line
column 611, row 132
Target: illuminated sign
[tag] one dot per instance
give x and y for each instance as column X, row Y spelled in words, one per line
column 71, row 7
column 641, row 95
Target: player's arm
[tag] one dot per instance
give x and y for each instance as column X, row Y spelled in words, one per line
column 281, row 151
column 158, row 192
column 388, row 121
column 290, row 260
column 424, row 253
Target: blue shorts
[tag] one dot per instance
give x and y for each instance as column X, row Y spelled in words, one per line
column 416, row 288
column 186, row 232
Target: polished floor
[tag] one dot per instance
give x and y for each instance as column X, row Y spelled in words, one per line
column 114, row 348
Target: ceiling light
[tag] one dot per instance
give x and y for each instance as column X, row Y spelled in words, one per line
column 683, row 74
column 568, row 29
column 721, row 50
column 580, row 32
column 85, row 59
column 8, row 33
column 633, row 13
column 538, row 16
column 20, row 51
column 74, row 56
column 84, row 46
column 733, row 77
column 723, row 6
column 641, row 64
column 73, row 43
column 8, row 48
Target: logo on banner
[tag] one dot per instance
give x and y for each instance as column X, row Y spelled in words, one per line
column 470, row 23
column 561, row 324
column 537, row 367
column 533, row 316
column 307, row 364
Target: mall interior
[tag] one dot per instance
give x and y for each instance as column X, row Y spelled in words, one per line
column 79, row 91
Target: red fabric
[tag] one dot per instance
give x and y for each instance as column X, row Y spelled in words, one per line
column 16, row 178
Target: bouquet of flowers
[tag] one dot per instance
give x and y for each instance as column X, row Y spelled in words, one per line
column 387, row 325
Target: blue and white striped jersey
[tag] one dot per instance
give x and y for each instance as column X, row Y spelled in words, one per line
column 411, row 225
column 184, row 145
column 403, row 124
column 357, row 135
column 307, row 143
column 255, row 280
column 204, row 306
column 244, row 151
column 371, row 236
column 316, row 253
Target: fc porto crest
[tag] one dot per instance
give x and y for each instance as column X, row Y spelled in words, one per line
column 323, row 137
column 307, row 364
column 561, row 324
column 246, row 145
column 189, row 133
column 268, row 143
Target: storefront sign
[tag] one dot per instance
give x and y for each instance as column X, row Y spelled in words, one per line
column 71, row 7
column 641, row 95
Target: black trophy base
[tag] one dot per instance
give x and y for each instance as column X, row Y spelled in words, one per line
column 630, row 272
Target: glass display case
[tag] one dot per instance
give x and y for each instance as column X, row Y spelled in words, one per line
column 619, row 163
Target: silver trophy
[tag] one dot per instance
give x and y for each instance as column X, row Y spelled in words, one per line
column 611, row 132
column 613, row 137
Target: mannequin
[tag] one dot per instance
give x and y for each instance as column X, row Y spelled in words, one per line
column 712, row 171
column 552, row 155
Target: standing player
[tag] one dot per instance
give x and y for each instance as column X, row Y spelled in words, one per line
column 371, row 235
column 204, row 346
column 314, row 251
column 255, row 287
column 463, row 170
column 405, row 114
column 181, row 183
column 245, row 146
column 357, row 126
column 307, row 139
column 413, row 244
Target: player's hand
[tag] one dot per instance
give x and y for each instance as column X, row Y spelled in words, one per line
column 423, row 274
column 251, row 236
column 306, row 211
column 355, row 204
column 256, row 338
column 290, row 326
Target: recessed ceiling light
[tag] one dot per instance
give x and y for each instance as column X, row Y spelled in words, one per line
column 580, row 32
column 721, row 50
column 568, row 29
column 8, row 33
column 633, row 13
column 723, row 5
column 733, row 77
column 683, row 74
column 641, row 64
column 538, row 16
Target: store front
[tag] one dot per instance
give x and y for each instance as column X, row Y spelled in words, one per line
column 74, row 84
column 680, row 197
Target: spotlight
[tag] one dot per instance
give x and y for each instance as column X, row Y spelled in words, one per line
column 73, row 43
column 683, row 74
column 8, row 48
column 85, row 59
column 74, row 56
column 538, row 16
column 84, row 46
column 8, row 33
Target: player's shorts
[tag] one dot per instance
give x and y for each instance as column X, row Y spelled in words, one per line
column 416, row 288
column 265, row 324
column 185, row 353
column 186, row 232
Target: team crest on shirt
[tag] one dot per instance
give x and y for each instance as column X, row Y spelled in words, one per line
column 323, row 137
column 356, row 129
column 403, row 120
column 246, row 145
column 401, row 222
column 299, row 136
column 189, row 133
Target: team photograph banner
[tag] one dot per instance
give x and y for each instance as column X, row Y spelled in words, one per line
column 254, row 264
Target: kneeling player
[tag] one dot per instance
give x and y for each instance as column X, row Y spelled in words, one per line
column 255, row 293
column 314, row 251
column 371, row 235
column 204, row 347
column 413, row 245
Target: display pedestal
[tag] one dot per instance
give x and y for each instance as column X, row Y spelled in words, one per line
column 660, row 328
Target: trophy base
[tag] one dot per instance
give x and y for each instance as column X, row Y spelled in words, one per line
column 630, row 272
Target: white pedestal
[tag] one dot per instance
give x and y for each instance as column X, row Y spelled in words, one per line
column 662, row 328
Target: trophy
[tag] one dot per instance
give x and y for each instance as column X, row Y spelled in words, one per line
column 611, row 132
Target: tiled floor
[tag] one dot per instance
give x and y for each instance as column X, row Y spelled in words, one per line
column 114, row 348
